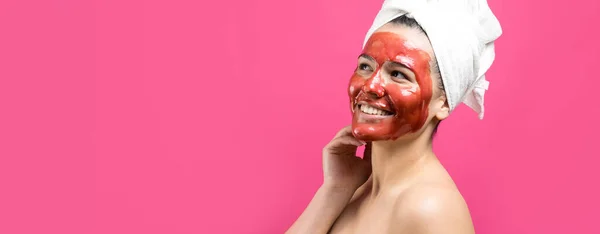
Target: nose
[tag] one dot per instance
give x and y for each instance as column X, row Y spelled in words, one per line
column 375, row 86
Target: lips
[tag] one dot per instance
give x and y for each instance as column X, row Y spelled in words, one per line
column 373, row 106
column 373, row 110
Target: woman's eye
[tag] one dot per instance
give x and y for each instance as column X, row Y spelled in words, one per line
column 397, row 74
column 364, row 67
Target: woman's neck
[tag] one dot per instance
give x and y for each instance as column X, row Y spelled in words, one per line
column 395, row 163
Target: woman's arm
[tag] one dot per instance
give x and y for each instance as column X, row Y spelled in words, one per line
column 325, row 207
column 343, row 173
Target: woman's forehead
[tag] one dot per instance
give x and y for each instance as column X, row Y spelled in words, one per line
column 414, row 37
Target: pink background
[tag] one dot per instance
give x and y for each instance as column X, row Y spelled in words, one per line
column 209, row 117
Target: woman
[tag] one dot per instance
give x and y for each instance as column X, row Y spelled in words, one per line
column 398, row 97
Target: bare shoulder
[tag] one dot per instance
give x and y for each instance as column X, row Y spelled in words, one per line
column 431, row 208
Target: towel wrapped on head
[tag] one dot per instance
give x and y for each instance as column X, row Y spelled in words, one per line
column 462, row 34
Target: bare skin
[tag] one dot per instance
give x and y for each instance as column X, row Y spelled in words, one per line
column 399, row 187
column 421, row 199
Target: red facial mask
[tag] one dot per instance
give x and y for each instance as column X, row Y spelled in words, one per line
column 401, row 105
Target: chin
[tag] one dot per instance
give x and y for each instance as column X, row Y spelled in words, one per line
column 371, row 125
column 368, row 132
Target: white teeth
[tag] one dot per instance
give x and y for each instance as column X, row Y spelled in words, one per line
column 371, row 110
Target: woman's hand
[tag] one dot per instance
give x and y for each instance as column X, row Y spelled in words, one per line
column 342, row 168
column 344, row 173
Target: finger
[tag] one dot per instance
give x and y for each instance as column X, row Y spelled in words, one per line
column 344, row 131
column 345, row 140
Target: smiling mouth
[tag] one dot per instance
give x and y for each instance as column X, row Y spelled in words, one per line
column 371, row 110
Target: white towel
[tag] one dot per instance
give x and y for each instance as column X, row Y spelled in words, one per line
column 462, row 34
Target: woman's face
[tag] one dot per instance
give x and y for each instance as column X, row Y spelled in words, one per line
column 391, row 88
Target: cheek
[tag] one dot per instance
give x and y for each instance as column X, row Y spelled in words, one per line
column 405, row 97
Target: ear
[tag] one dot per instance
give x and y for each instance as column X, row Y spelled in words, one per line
column 441, row 107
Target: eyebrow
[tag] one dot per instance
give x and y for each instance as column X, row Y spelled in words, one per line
column 404, row 61
column 394, row 63
column 365, row 56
